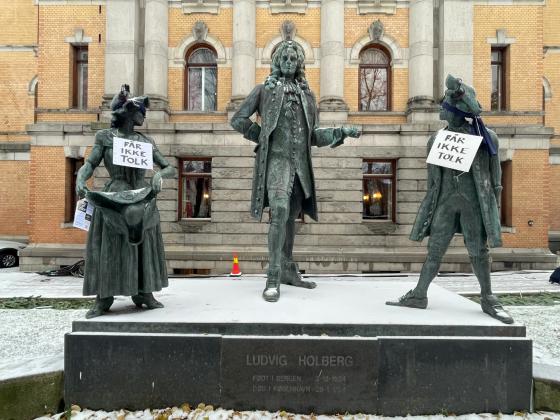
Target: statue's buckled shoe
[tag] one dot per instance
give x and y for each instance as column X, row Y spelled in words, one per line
column 100, row 306
column 292, row 277
column 410, row 301
column 147, row 299
column 271, row 292
column 492, row 306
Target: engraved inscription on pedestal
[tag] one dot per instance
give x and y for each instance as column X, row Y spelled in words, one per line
column 299, row 375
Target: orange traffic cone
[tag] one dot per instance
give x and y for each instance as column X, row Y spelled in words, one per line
column 235, row 272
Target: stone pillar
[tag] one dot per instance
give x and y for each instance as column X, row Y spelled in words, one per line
column 121, row 49
column 332, row 106
column 421, row 105
column 156, row 58
column 243, row 59
column 456, row 41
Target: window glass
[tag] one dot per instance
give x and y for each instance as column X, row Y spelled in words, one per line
column 374, row 80
column 201, row 80
column 195, row 198
column 379, row 190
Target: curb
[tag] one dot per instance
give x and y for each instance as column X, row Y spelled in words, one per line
column 29, row 397
column 546, row 387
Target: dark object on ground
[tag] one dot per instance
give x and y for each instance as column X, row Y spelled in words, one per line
column 555, row 276
column 76, row 270
column 9, row 253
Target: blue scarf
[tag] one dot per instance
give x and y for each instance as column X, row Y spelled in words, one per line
column 477, row 127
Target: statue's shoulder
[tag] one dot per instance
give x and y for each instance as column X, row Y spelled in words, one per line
column 493, row 136
column 145, row 138
column 104, row 137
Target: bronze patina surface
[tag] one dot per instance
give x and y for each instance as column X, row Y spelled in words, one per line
column 461, row 202
column 283, row 173
column 125, row 254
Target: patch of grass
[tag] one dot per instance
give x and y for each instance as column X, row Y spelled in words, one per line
column 518, row 299
column 47, row 303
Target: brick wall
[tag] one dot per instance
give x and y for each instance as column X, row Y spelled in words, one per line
column 55, row 24
column 531, row 199
column 47, row 199
column 18, row 21
column 14, row 193
column 308, row 26
column 551, row 16
column 525, row 56
column 17, row 107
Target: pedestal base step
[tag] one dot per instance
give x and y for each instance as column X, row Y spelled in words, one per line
column 382, row 375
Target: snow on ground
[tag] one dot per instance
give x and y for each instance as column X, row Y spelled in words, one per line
column 33, row 333
column 543, row 326
column 208, row 413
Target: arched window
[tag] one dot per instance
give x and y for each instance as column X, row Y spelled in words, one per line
column 375, row 79
column 201, row 79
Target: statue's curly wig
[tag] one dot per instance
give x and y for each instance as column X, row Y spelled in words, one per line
column 276, row 73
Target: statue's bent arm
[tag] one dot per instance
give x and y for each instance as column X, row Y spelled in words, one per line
column 92, row 162
column 241, row 121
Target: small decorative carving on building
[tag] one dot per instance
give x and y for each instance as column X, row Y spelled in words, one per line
column 200, row 30
column 288, row 30
column 200, row 6
column 387, row 7
column 288, row 6
column 376, row 30
column 79, row 38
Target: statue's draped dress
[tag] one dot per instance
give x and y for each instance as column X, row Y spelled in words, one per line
column 113, row 265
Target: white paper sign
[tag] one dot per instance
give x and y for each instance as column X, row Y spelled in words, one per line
column 135, row 154
column 454, row 150
column 83, row 214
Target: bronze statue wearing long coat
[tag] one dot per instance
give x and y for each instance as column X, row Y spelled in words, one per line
column 487, row 176
column 267, row 102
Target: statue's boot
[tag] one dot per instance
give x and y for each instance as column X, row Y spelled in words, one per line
column 291, row 276
column 492, row 306
column 418, row 298
column 489, row 303
column 146, row 299
column 100, row 306
column 410, row 300
column 271, row 292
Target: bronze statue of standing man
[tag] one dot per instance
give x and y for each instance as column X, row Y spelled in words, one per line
column 461, row 202
column 283, row 174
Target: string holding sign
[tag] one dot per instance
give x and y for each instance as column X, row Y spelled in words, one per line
column 131, row 153
column 454, row 150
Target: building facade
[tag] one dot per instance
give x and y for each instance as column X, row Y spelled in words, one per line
column 378, row 64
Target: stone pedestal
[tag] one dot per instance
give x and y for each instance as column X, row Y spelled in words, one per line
column 334, row 349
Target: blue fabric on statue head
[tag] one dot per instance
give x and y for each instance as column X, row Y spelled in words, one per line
column 460, row 99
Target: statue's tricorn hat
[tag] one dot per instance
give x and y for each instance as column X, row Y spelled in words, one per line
column 461, row 95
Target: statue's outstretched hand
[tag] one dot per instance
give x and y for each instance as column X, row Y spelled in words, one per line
column 157, row 183
column 351, row 131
